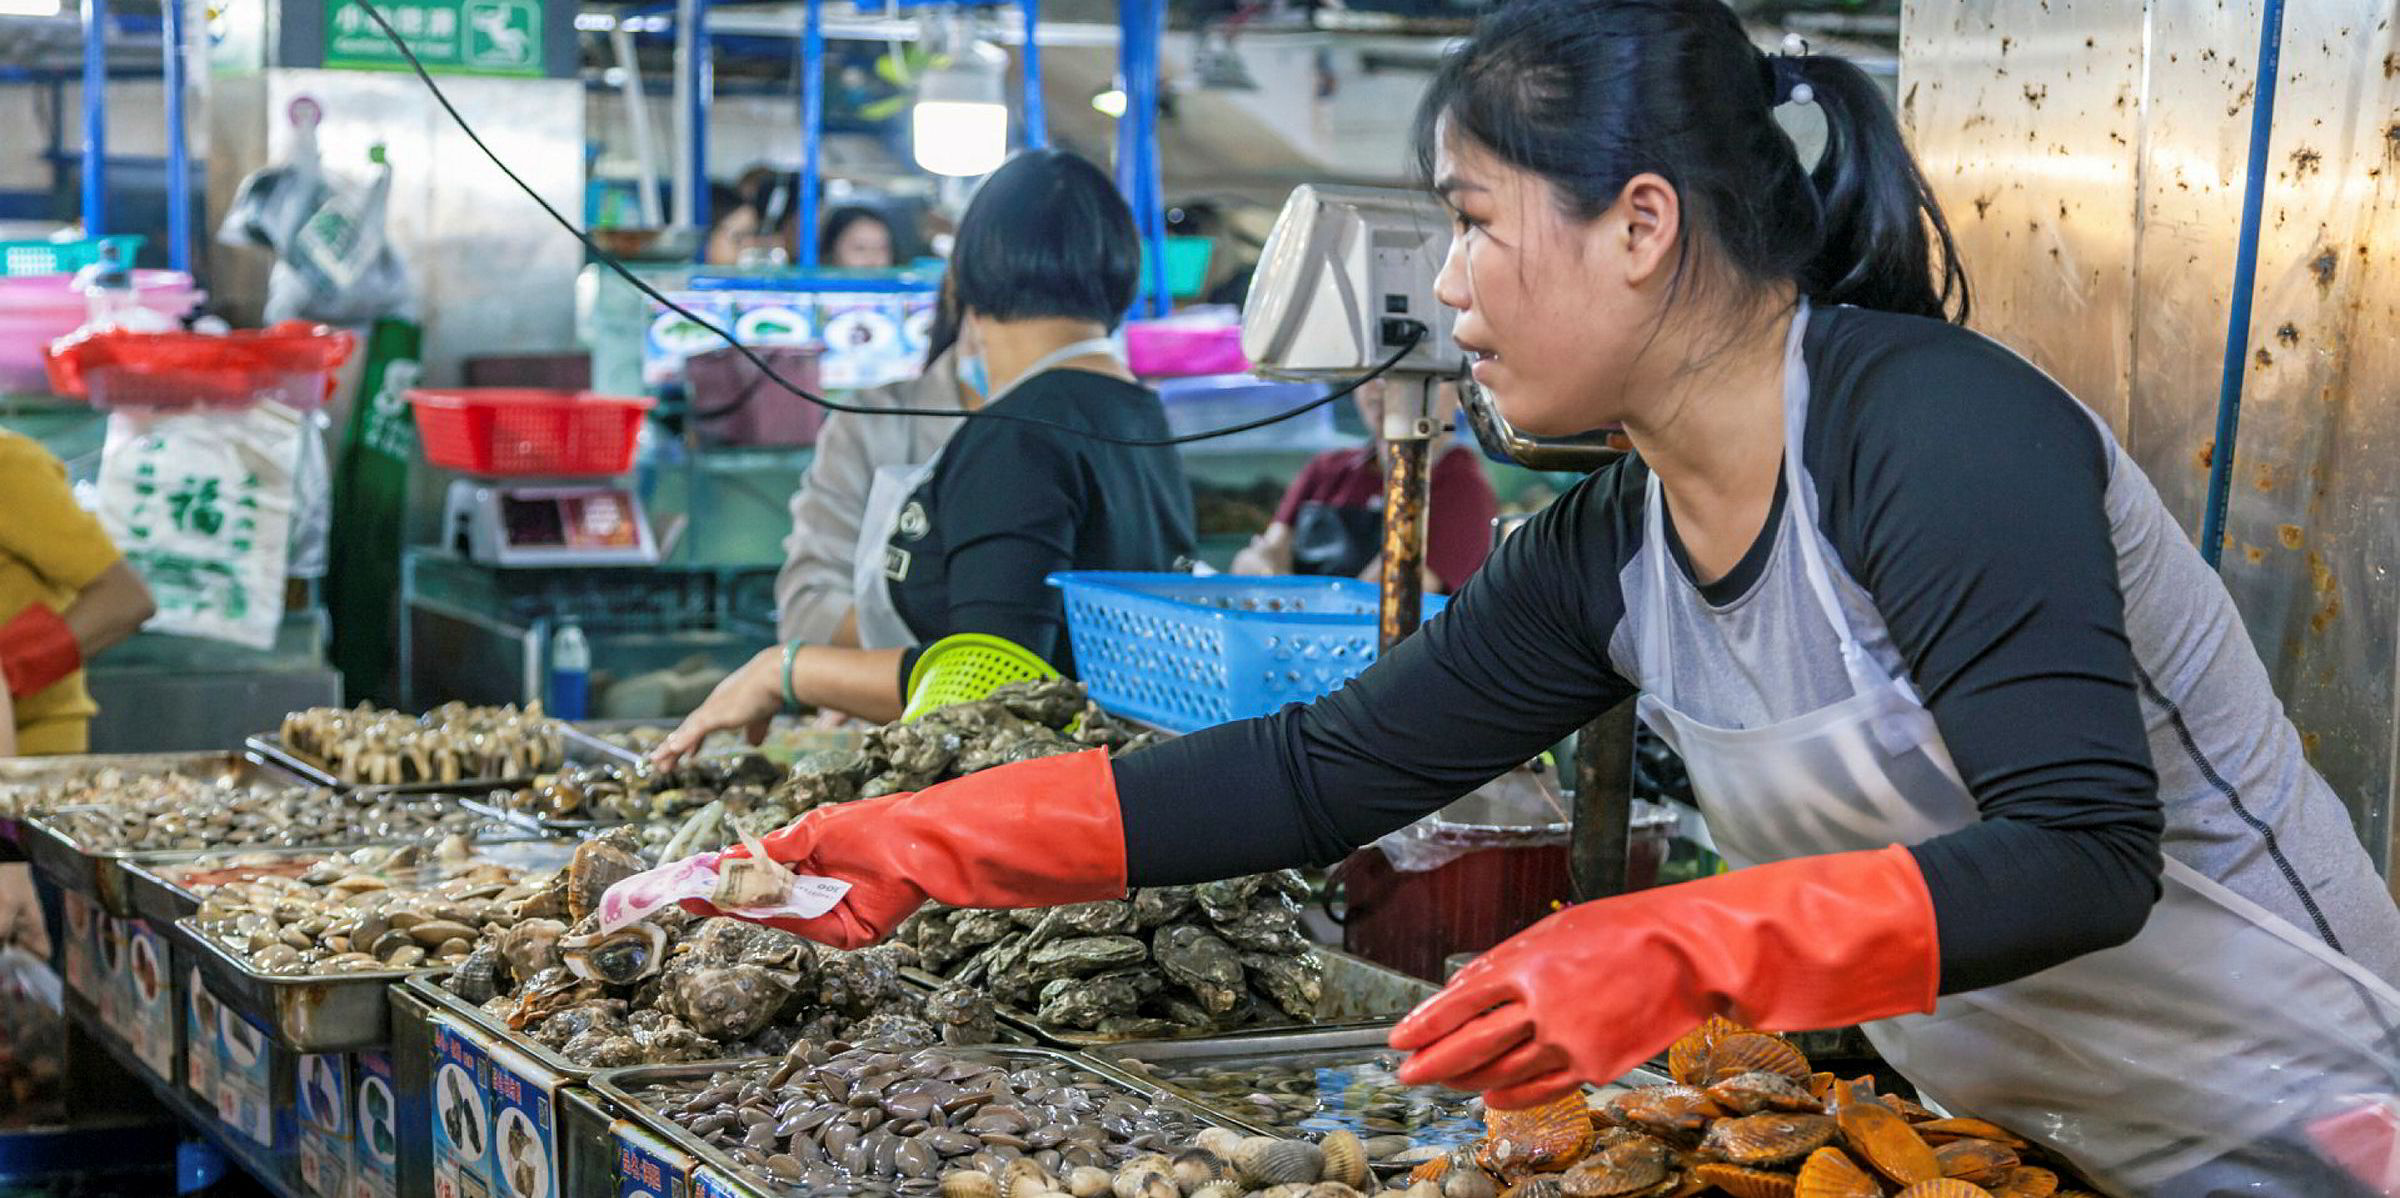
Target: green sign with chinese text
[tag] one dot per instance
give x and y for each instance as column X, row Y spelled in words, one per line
column 467, row 37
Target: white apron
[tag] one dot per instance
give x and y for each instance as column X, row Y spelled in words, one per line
column 2220, row 1047
column 878, row 562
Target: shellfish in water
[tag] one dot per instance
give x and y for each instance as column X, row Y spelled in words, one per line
column 1266, row 1161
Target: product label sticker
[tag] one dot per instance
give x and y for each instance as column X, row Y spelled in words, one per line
column 462, row 1126
column 149, row 1000
column 81, row 917
column 524, row 1160
column 708, row 1183
column 111, row 980
column 245, row 1078
column 321, row 1091
column 648, row 1168
column 374, row 1129
column 201, row 1044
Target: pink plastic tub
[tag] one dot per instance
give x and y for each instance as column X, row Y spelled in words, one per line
column 39, row 309
column 1184, row 347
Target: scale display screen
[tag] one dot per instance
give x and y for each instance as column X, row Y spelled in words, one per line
column 589, row 520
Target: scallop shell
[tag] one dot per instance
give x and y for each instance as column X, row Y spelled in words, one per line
column 1345, row 1158
column 1980, row 1161
column 1463, row 1178
column 1820, row 1086
column 1830, row 1173
column 1886, row 1142
column 1746, row 1052
column 1431, row 1171
column 1538, row 1139
column 1687, row 1058
column 1084, row 1181
column 1633, row 1165
column 2029, row 1181
column 1945, row 1187
column 1941, row 1131
column 1130, row 1183
column 969, row 1183
column 1196, row 1167
column 1219, row 1189
column 1913, row 1112
column 1219, row 1140
column 1769, row 1139
column 1745, row 1183
column 1541, row 1186
column 1675, row 1113
column 1750, row 1093
column 1267, row 1161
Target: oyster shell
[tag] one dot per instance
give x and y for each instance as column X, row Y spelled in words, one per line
column 1086, row 955
column 1203, row 963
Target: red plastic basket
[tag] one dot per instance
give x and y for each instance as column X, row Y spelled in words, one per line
column 519, row 431
column 292, row 364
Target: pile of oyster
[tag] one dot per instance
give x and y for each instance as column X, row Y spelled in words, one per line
column 832, row 1120
column 1164, row 961
column 451, row 743
column 674, row 987
column 346, row 914
column 170, row 811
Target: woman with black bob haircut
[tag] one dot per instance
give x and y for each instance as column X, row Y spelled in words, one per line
column 1042, row 273
column 1985, row 738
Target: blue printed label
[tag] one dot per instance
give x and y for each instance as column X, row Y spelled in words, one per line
column 462, row 1123
column 321, row 1091
column 374, row 1129
column 647, row 1168
column 524, row 1159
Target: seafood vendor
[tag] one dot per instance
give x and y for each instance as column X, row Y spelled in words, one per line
column 1331, row 517
column 1044, row 267
column 2000, row 766
column 66, row 593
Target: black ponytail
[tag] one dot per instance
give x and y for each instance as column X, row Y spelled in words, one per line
column 1589, row 93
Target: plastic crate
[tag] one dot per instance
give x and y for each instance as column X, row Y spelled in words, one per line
column 63, row 257
column 522, row 431
column 1185, row 652
column 291, row 364
column 1223, row 401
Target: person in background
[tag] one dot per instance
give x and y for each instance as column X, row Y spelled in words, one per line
column 758, row 227
column 816, row 588
column 1331, row 519
column 65, row 595
column 1068, row 471
column 856, row 238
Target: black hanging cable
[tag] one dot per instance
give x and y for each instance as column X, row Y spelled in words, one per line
column 1417, row 330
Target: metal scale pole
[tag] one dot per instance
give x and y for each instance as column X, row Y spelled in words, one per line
column 1408, row 431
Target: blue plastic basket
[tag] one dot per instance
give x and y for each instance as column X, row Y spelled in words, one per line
column 1184, row 652
column 21, row 258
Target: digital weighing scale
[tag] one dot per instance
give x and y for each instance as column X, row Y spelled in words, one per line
column 547, row 524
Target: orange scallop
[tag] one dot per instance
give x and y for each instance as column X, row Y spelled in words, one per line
column 1687, row 1058
column 1769, row 1139
column 1885, row 1142
column 1944, row 1130
column 1830, row 1173
column 1945, row 1187
column 1746, row 1183
column 1747, row 1052
column 1980, row 1161
column 2028, row 1181
column 1677, row 1113
column 1540, row 1139
column 1910, row 1111
column 1634, row 1165
column 1750, row 1093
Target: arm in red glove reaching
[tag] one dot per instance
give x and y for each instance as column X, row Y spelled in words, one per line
column 1591, row 992
column 1036, row 834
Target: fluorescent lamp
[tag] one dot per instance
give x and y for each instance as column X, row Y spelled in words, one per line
column 29, row 8
column 958, row 138
column 1110, row 103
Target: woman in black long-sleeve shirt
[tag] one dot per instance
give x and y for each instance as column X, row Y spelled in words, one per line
column 1986, row 737
column 1045, row 267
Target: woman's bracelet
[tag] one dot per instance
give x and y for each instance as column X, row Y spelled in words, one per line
column 791, row 650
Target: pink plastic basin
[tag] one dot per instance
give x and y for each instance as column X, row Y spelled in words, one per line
column 39, row 309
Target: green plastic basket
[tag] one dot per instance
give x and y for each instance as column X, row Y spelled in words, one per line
column 967, row 667
column 22, row 258
column 1187, row 265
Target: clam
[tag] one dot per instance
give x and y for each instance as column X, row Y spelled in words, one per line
column 1266, row 1161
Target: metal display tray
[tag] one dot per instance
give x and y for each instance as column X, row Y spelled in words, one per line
column 332, row 1012
column 1358, row 993
column 270, row 746
column 427, row 985
column 787, row 733
column 159, row 898
column 618, row 1086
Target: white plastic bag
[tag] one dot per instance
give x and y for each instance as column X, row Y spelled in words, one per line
column 201, row 501
column 333, row 262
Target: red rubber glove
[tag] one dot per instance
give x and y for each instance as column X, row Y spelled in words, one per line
column 1035, row 834
column 1594, row 990
column 36, row 650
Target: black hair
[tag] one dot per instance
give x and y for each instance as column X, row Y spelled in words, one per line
column 1589, row 93
column 838, row 222
column 942, row 334
column 1047, row 235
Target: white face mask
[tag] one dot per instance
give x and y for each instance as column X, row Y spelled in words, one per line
column 971, row 373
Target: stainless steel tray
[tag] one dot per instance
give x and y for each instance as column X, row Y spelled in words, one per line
column 1358, row 993
column 787, row 733
column 270, row 746
column 157, row 896
column 346, row 1012
column 619, row 1085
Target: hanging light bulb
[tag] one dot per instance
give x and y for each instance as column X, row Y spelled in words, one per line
column 959, row 126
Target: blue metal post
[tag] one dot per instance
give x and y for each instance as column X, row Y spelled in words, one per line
column 2245, row 279
column 697, row 100
column 95, row 118
column 1037, row 122
column 1140, row 25
column 812, row 129
column 179, row 162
